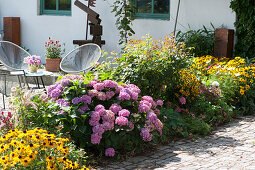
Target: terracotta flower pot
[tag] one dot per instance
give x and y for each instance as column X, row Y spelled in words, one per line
column 52, row 64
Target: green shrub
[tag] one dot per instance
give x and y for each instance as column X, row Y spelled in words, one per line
column 200, row 41
column 31, row 109
column 104, row 115
column 245, row 46
column 151, row 65
column 196, row 126
column 173, row 123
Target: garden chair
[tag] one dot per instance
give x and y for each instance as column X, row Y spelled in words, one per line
column 81, row 59
column 12, row 57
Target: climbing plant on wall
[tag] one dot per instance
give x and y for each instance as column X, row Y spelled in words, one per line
column 123, row 10
column 245, row 24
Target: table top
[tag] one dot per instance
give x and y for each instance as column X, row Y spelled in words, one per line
column 39, row 73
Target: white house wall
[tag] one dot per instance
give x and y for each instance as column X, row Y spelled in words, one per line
column 35, row 28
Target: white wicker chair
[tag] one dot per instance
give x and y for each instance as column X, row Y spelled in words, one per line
column 12, row 57
column 81, row 59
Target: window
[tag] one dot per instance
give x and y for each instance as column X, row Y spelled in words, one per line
column 55, row 7
column 158, row 9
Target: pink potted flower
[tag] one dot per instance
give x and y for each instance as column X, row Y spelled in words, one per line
column 33, row 61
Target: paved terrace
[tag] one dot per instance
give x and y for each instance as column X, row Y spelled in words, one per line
column 229, row 147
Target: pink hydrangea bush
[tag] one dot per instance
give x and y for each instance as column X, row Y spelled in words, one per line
column 104, row 114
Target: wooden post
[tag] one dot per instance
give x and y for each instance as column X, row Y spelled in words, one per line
column 12, row 30
column 224, row 43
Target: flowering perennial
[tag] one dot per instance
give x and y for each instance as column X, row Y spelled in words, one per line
column 22, row 149
column 111, row 107
column 33, row 60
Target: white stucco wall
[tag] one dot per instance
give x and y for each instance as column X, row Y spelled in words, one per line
column 35, row 28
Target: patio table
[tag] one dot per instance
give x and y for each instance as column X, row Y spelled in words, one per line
column 36, row 75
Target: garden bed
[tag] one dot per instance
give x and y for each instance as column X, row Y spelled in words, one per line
column 156, row 92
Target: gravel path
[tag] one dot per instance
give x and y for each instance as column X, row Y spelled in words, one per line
column 229, row 147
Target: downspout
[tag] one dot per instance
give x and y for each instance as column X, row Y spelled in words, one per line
column 177, row 16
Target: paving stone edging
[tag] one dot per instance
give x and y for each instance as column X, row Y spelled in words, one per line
column 231, row 146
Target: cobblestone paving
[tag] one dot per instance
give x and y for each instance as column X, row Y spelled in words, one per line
column 229, row 147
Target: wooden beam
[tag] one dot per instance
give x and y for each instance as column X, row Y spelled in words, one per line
column 81, row 42
column 86, row 9
column 94, row 20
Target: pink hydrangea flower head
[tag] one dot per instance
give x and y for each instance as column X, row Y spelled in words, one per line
column 160, row 103
column 86, row 99
column 134, row 95
column 51, row 87
column 95, row 116
column 95, row 138
column 148, row 98
column 101, row 112
column 119, row 88
column 92, row 93
column 145, row 133
column 65, row 82
column 109, row 95
column 108, row 125
column 178, row 109
column 124, row 96
column 144, row 102
column 109, row 116
column 115, row 108
column 143, row 108
column 99, row 107
column 92, row 83
column 98, row 129
column 101, row 96
column 134, row 88
column 152, row 116
column 76, row 100
column 55, row 93
column 131, row 125
column 124, row 112
column 98, row 86
column 182, row 100
column 109, row 152
column 122, row 121
column 110, row 84
column 83, row 109
column 159, row 126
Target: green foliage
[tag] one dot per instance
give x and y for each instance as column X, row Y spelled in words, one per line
column 151, row 65
column 244, row 24
column 245, row 104
column 200, row 41
column 196, row 126
column 78, row 118
column 213, row 113
column 174, row 124
column 32, row 109
column 123, row 10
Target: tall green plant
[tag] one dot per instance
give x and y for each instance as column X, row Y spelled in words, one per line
column 123, row 12
column 200, row 41
column 245, row 22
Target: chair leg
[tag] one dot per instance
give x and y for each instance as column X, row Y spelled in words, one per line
column 25, row 79
column 19, row 82
column 43, row 83
column 4, row 92
column 37, row 81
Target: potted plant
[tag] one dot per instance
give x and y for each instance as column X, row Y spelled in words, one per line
column 33, row 61
column 53, row 55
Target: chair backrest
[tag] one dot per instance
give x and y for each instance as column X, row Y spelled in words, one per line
column 81, row 59
column 12, row 56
